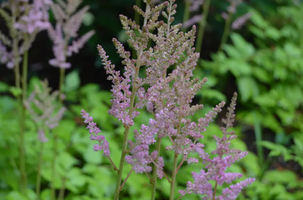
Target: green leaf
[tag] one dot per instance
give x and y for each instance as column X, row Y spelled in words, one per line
column 272, row 33
column 248, row 88
column 261, row 74
column 65, row 127
column 72, row 81
column 292, row 50
column 75, row 179
column 66, row 160
column 212, row 94
column 244, row 48
column 15, row 195
column 265, row 100
column 257, row 31
column 88, row 19
column 258, row 20
column 284, row 176
column 91, row 156
column 4, row 87
column 15, row 91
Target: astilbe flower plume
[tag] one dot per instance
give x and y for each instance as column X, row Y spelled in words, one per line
column 217, row 166
column 43, row 108
column 167, row 96
column 68, row 22
column 24, row 21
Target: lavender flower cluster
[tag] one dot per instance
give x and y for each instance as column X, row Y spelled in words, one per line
column 168, row 97
column 28, row 18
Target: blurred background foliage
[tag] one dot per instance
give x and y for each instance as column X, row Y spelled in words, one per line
column 263, row 62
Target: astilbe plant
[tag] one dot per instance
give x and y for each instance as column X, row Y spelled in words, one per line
column 168, row 97
column 46, row 113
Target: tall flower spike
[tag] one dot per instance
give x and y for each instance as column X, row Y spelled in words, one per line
column 68, row 22
column 24, row 19
column 43, row 108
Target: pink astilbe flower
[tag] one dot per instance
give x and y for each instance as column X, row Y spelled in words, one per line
column 94, row 131
column 120, row 89
column 217, row 166
column 240, row 21
column 36, row 17
column 68, row 22
column 24, row 19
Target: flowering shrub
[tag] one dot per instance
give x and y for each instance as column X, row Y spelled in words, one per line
column 168, row 97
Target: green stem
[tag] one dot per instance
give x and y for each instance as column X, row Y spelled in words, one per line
column 258, row 135
column 226, row 31
column 202, row 26
column 61, row 84
column 186, row 13
column 62, row 189
column 38, row 182
column 21, row 118
column 173, row 179
column 53, row 167
column 55, row 136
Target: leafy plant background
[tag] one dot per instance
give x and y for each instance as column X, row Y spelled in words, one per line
column 263, row 62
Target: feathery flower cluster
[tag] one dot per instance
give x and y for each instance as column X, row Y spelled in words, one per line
column 217, row 166
column 36, row 17
column 94, row 131
column 168, row 96
column 25, row 18
column 43, row 109
column 231, row 9
column 68, row 22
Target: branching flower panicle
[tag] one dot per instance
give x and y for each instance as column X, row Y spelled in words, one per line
column 24, row 21
column 68, row 22
column 43, row 109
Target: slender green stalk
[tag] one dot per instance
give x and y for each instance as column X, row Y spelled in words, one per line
column 258, row 135
column 131, row 107
column 202, row 25
column 226, row 31
column 173, row 179
column 55, row 136
column 264, row 164
column 21, row 109
column 186, row 13
column 38, row 182
column 61, row 84
column 24, row 74
column 53, row 167
column 62, row 189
